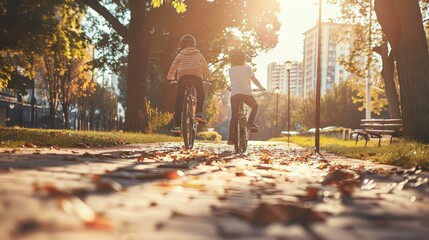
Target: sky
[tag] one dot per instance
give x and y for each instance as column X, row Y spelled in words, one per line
column 296, row 17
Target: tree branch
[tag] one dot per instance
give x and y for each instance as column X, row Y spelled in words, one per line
column 112, row 20
column 220, row 66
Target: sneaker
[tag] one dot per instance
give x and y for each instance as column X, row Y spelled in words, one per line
column 230, row 142
column 176, row 130
column 200, row 118
column 253, row 127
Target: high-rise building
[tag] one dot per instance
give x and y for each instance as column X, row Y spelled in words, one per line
column 331, row 50
column 277, row 77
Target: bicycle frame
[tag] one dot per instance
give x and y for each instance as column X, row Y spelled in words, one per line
column 189, row 124
column 241, row 132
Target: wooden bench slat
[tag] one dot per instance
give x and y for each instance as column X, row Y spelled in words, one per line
column 381, row 131
column 381, row 120
column 376, row 128
column 382, row 126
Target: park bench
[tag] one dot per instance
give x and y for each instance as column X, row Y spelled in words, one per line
column 377, row 128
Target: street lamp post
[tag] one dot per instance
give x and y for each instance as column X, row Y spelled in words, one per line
column 277, row 91
column 318, row 78
column 288, row 68
column 368, row 78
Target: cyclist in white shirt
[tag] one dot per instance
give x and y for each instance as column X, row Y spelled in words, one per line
column 241, row 77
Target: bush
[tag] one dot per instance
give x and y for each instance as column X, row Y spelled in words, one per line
column 157, row 119
column 209, row 136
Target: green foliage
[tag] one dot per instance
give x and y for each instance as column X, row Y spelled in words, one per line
column 211, row 108
column 15, row 137
column 209, row 136
column 306, row 111
column 157, row 119
column 26, row 27
column 61, row 65
column 179, row 5
column 356, row 16
column 5, row 70
column 338, row 107
column 27, row 24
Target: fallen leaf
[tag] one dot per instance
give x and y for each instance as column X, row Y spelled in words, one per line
column 265, row 214
column 29, row 145
column 312, row 192
column 323, row 166
column 80, row 209
column 266, row 159
column 346, row 187
column 99, row 223
column 338, row 175
column 246, row 173
column 54, row 191
column 174, row 174
column 106, row 185
column 50, row 189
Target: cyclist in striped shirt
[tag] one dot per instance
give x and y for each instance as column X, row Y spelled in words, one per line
column 189, row 64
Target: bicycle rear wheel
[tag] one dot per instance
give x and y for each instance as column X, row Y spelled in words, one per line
column 188, row 121
column 241, row 135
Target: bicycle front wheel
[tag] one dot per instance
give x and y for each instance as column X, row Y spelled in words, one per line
column 188, row 122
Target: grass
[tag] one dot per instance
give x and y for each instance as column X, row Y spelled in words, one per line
column 402, row 153
column 15, row 137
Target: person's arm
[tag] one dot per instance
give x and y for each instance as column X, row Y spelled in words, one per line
column 173, row 68
column 206, row 72
column 257, row 83
column 255, row 80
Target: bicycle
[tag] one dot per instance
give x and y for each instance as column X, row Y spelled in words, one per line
column 189, row 123
column 241, row 131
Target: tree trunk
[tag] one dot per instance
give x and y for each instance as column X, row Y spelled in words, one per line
column 136, row 116
column 53, row 117
column 401, row 21
column 389, row 82
column 66, row 120
column 137, row 38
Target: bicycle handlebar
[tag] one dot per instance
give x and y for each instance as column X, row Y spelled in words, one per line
column 176, row 81
column 258, row 90
column 253, row 90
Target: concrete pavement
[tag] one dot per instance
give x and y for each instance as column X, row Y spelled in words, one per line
column 160, row 191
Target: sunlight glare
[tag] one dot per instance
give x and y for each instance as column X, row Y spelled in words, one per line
column 296, row 17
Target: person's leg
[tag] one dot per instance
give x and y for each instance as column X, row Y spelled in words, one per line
column 251, row 102
column 179, row 103
column 198, row 84
column 201, row 96
column 235, row 101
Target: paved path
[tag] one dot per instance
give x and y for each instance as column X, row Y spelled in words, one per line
column 159, row 191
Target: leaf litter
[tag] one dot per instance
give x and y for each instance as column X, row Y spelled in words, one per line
column 345, row 178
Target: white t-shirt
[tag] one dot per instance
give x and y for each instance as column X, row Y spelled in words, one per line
column 240, row 80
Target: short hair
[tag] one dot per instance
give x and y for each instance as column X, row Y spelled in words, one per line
column 187, row 41
column 237, row 57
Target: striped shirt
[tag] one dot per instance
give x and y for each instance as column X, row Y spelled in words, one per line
column 190, row 62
